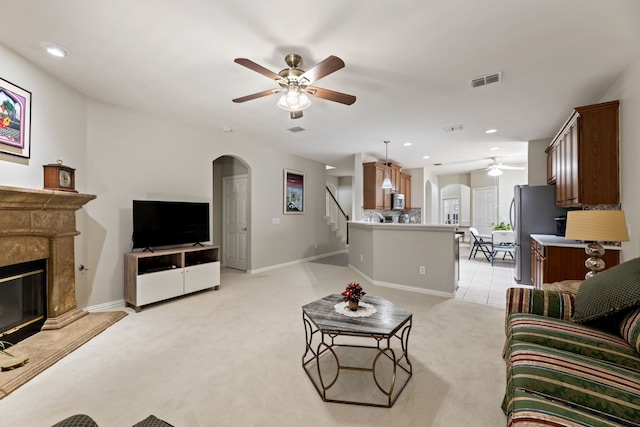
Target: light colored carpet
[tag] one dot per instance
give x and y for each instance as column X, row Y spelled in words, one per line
column 233, row 358
column 47, row 347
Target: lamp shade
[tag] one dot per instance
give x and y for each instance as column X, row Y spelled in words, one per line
column 597, row 226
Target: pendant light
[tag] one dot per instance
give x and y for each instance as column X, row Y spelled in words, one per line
column 386, row 183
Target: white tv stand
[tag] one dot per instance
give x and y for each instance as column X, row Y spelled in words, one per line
column 168, row 273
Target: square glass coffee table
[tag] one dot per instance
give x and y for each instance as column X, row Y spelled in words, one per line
column 357, row 360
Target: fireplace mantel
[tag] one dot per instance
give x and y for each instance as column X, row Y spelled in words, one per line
column 41, row 224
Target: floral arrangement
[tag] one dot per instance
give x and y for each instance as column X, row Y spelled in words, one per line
column 353, row 292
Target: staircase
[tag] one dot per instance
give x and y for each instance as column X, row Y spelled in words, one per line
column 336, row 218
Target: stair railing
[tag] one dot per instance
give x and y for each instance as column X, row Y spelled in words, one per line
column 337, row 215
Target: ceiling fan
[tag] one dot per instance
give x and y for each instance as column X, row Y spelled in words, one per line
column 294, row 83
column 496, row 168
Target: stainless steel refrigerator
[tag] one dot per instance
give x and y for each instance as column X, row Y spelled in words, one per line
column 532, row 211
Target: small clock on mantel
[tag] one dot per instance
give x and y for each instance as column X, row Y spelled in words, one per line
column 59, row 177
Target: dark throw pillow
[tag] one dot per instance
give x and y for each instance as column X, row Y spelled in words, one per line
column 609, row 292
column 152, row 421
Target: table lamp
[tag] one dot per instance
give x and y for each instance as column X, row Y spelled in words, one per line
column 596, row 226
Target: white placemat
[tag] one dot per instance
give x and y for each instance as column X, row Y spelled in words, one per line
column 364, row 309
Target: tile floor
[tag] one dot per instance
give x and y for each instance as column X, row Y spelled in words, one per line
column 482, row 283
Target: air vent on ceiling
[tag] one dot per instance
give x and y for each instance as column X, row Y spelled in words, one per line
column 453, row 128
column 486, row 80
column 295, row 129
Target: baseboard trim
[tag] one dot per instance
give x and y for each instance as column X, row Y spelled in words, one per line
column 403, row 287
column 118, row 304
column 298, row 261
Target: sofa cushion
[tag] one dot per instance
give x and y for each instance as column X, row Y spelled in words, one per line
column 582, row 382
column 572, row 337
column 529, row 409
column 78, row 420
column 630, row 328
column 152, row 421
column 608, row 292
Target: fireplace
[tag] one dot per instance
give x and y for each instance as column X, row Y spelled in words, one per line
column 22, row 300
column 39, row 226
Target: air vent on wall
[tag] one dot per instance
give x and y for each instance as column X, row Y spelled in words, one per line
column 486, row 80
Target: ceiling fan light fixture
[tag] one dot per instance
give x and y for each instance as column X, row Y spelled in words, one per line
column 494, row 171
column 294, row 100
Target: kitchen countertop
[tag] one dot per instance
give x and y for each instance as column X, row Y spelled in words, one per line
column 398, row 225
column 553, row 240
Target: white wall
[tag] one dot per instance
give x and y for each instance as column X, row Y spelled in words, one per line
column 627, row 90
column 537, row 160
column 345, row 194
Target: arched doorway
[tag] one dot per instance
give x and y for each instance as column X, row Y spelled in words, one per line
column 232, row 211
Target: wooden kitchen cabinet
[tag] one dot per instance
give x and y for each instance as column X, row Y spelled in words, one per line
column 556, row 263
column 405, row 188
column 583, row 159
column 374, row 197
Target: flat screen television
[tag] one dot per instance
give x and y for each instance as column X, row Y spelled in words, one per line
column 160, row 223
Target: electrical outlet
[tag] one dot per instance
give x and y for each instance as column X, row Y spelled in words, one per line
column 361, row 258
column 315, row 246
column 275, row 220
column 422, row 270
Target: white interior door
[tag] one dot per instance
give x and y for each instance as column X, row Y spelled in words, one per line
column 484, row 209
column 235, row 221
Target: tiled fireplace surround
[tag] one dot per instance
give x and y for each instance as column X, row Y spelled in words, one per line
column 41, row 224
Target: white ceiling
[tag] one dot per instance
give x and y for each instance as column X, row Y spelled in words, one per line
column 408, row 62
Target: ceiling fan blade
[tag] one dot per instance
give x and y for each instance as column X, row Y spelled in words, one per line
column 331, row 95
column 257, row 95
column 295, row 114
column 515, row 168
column 257, row 68
column 322, row 69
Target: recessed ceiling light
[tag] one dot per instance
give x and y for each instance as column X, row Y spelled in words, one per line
column 491, row 131
column 494, row 148
column 425, row 157
column 407, row 144
column 54, row 49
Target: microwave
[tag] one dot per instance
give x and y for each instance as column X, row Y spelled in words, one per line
column 397, row 201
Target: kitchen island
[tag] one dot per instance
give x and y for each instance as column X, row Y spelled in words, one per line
column 415, row 257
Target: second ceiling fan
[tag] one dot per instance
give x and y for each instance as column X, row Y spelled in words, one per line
column 294, row 83
column 495, row 168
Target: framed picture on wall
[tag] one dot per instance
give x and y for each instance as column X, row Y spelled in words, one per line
column 15, row 120
column 293, row 192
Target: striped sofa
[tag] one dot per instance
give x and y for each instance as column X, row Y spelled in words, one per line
column 561, row 373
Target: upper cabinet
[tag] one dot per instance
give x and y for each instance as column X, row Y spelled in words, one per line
column 583, row 159
column 374, row 197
